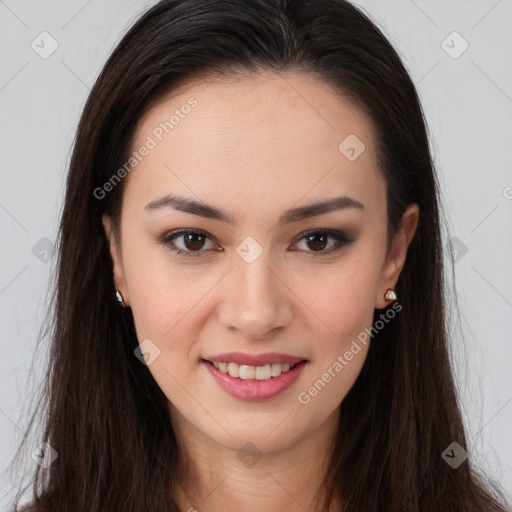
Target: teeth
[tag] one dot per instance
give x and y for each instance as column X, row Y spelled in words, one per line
column 233, row 370
column 246, row 372
column 263, row 372
column 275, row 370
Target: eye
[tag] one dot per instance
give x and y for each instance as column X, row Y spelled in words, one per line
column 192, row 242
column 318, row 240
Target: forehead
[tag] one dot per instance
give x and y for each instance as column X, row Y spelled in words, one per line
column 254, row 135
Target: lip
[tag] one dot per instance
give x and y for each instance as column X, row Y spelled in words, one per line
column 255, row 390
column 254, row 360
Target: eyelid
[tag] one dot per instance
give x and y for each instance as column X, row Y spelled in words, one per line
column 333, row 233
column 341, row 238
column 172, row 235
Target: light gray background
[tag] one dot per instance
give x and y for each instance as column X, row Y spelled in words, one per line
column 468, row 105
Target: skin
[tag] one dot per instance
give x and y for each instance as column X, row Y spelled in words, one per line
column 254, row 148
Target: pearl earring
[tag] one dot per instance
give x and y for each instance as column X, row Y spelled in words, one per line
column 120, row 299
column 390, row 294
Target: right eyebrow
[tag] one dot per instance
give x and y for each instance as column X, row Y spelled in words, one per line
column 292, row 215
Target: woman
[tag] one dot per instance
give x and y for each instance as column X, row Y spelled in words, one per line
column 250, row 312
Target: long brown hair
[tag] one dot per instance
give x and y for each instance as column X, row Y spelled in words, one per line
column 105, row 415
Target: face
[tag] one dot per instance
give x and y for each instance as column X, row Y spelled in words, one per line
column 227, row 264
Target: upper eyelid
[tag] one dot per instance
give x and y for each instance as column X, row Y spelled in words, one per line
column 172, row 235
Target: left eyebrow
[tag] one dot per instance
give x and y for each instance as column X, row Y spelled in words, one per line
column 292, row 215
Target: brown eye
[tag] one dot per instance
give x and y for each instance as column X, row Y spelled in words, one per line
column 193, row 241
column 189, row 242
column 317, row 241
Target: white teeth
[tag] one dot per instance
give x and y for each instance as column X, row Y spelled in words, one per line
column 246, row 372
column 276, row 370
column 263, row 372
column 234, row 370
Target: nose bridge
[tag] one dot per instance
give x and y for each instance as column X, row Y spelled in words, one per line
column 254, row 302
column 256, row 282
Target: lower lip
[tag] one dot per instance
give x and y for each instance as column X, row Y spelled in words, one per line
column 254, row 389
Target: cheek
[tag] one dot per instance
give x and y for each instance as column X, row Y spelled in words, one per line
column 339, row 355
column 163, row 295
column 344, row 305
column 343, row 299
column 166, row 307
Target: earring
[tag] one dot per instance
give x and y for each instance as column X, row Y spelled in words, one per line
column 390, row 294
column 120, row 299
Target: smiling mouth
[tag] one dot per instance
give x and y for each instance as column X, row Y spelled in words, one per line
column 246, row 372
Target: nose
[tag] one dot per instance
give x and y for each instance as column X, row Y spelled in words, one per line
column 256, row 300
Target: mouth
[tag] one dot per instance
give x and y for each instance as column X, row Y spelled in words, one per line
column 255, row 383
column 247, row 372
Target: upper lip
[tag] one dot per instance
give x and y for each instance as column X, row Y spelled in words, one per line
column 254, row 360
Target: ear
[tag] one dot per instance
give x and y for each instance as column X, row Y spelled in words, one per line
column 115, row 253
column 396, row 258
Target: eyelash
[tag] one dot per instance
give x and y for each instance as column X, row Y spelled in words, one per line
column 341, row 238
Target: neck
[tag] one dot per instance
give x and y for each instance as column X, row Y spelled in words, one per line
column 215, row 478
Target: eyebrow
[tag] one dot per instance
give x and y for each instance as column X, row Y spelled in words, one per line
column 292, row 215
